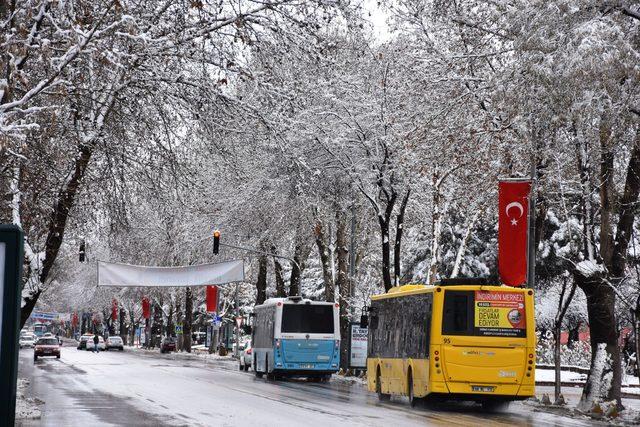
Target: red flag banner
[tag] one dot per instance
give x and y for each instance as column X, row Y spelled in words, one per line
column 74, row 320
column 114, row 309
column 513, row 209
column 212, row 299
column 146, row 308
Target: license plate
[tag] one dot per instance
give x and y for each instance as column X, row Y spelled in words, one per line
column 306, row 365
column 486, row 389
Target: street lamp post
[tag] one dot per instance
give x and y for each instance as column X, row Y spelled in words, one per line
column 11, row 258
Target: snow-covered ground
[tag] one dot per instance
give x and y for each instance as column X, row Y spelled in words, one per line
column 144, row 387
column 26, row 406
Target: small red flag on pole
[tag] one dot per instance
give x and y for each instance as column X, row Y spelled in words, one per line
column 513, row 210
column 146, row 308
column 212, row 299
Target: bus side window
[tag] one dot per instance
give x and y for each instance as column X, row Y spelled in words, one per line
column 373, row 322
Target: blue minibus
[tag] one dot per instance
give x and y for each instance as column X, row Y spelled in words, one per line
column 296, row 337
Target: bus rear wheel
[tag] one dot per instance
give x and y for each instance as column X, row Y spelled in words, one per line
column 381, row 396
column 412, row 398
column 255, row 367
column 495, row 405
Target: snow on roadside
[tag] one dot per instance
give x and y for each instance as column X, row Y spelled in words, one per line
column 350, row 379
column 26, row 407
column 548, row 375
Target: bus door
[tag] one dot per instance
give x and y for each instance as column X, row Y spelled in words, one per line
column 484, row 338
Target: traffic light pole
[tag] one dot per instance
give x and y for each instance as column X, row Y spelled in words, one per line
column 255, row 251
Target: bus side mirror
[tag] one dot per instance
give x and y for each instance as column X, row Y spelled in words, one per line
column 364, row 321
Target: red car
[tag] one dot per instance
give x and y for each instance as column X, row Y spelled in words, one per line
column 168, row 344
column 46, row 347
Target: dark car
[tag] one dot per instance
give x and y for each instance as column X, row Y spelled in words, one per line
column 82, row 344
column 168, row 344
column 46, row 347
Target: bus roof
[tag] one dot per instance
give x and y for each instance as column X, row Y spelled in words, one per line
column 414, row 289
column 291, row 300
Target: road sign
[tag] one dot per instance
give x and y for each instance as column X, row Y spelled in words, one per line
column 239, row 320
column 358, row 347
column 179, row 329
column 11, row 258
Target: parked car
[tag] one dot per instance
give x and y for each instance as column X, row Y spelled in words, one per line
column 101, row 344
column 27, row 340
column 82, row 344
column 246, row 356
column 46, row 346
column 115, row 342
column 168, row 344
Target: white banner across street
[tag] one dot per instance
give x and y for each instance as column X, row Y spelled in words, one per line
column 120, row 275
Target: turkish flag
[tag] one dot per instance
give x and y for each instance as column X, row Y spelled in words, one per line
column 146, row 308
column 513, row 209
column 212, row 299
column 114, row 309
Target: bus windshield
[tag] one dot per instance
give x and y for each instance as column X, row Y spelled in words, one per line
column 307, row 318
column 484, row 313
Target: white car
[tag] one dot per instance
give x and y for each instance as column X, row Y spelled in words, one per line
column 27, row 340
column 246, row 357
column 114, row 342
column 91, row 346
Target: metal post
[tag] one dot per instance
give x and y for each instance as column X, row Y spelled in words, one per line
column 352, row 261
column 235, row 351
column 531, row 239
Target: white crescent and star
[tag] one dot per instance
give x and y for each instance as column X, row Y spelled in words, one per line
column 518, row 205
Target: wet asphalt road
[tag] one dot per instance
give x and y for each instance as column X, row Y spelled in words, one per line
column 149, row 388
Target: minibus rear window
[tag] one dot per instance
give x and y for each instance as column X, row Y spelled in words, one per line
column 307, row 318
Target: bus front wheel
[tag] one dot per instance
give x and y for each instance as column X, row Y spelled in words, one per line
column 381, row 396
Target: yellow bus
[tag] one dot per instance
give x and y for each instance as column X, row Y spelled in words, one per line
column 460, row 339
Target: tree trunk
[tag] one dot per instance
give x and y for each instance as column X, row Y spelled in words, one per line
column 261, row 284
column 171, row 330
column 605, row 374
column 188, row 319
column 123, row 329
column 574, row 335
column 300, row 255
column 436, row 228
column 386, row 264
column 132, row 327
column 606, row 190
column 398, row 242
column 557, row 333
column 463, row 245
column 323, row 251
column 281, row 292
column 57, row 226
column 342, row 283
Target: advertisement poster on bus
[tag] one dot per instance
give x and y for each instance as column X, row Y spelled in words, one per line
column 500, row 314
column 358, row 348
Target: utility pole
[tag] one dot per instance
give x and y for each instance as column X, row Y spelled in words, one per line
column 352, row 261
column 235, row 351
column 531, row 238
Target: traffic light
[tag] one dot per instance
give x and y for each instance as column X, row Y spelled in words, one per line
column 81, row 252
column 216, row 242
